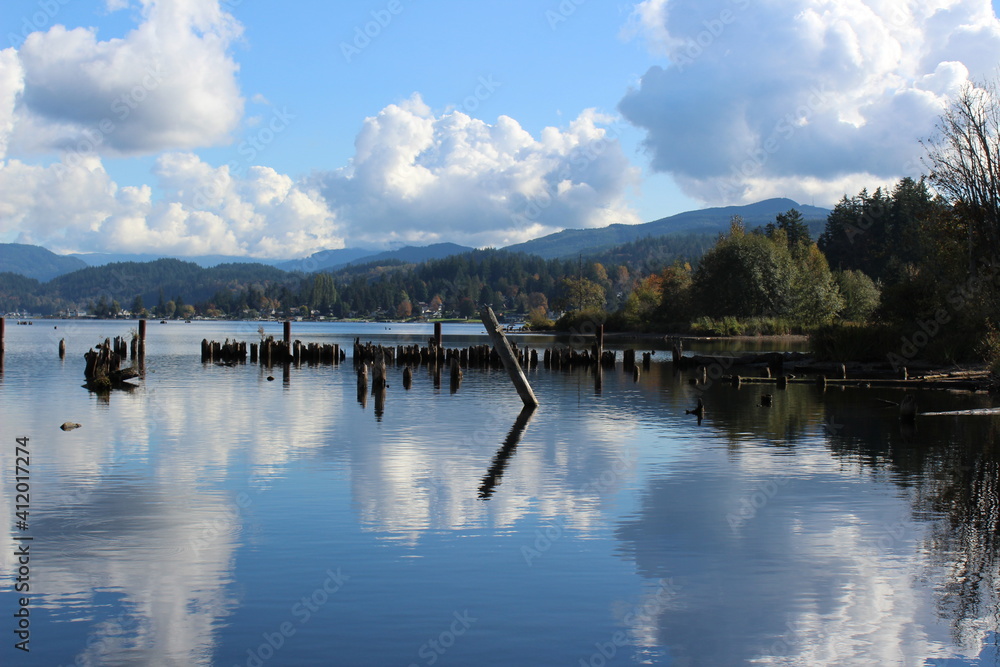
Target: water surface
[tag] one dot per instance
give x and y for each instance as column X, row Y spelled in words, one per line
column 214, row 517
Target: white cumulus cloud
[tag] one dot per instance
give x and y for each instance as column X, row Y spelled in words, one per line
column 418, row 178
column 168, row 84
column 801, row 98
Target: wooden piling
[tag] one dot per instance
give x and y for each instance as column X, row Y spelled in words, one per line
column 378, row 375
column 502, row 347
column 438, row 338
column 288, row 332
column 407, row 378
column 3, row 322
column 62, row 348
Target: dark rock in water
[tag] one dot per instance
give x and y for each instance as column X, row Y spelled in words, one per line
column 69, row 426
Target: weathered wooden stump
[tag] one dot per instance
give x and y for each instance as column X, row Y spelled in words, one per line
column 103, row 370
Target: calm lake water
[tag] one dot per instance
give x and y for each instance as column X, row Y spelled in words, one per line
column 211, row 517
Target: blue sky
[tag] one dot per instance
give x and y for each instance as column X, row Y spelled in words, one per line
column 240, row 127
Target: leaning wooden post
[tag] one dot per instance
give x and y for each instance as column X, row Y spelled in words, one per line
column 502, row 346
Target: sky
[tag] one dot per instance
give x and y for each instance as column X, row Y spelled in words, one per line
column 241, row 127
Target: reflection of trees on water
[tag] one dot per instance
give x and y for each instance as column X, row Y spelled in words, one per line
column 962, row 484
column 854, row 556
column 953, row 466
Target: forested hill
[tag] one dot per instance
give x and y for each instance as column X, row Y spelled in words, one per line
column 126, row 281
column 461, row 282
column 572, row 242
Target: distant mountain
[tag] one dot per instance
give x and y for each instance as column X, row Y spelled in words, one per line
column 36, row 262
column 204, row 261
column 416, row 254
column 331, row 260
column 572, row 242
column 325, row 260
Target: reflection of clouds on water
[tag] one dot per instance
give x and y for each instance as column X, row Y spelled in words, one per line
column 127, row 507
column 823, row 573
column 406, row 485
column 135, row 542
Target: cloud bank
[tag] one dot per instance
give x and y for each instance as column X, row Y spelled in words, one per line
column 807, row 99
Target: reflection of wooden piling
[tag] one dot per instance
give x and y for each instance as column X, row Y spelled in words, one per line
column 908, row 409
column 456, row 375
column 62, row 348
column 502, row 347
column 495, row 473
column 379, row 395
column 599, row 345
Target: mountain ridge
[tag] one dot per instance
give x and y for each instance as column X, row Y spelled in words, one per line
column 43, row 265
column 570, row 242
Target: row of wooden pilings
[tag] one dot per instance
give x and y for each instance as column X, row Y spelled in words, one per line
column 270, row 352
